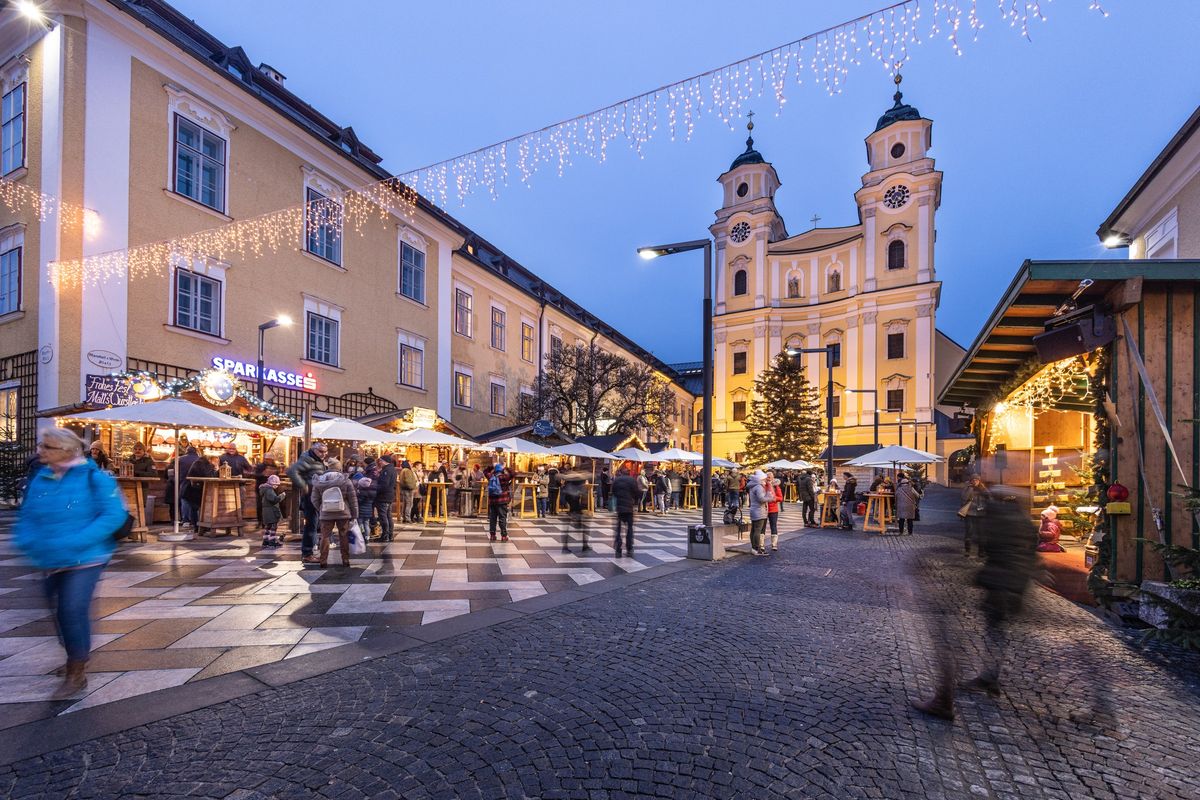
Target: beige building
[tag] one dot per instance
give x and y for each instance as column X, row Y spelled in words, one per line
column 869, row 290
column 159, row 130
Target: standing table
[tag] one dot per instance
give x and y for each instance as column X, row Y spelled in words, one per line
column 221, row 504
column 829, row 510
column 435, row 502
column 879, row 511
column 134, row 492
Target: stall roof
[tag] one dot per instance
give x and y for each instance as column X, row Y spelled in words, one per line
column 1037, row 291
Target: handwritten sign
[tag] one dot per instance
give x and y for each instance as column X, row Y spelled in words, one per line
column 105, row 390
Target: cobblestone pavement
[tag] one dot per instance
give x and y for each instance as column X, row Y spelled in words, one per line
column 170, row 614
column 787, row 676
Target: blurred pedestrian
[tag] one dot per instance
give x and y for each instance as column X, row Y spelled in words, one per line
column 626, row 494
column 574, row 491
column 908, row 503
column 975, row 496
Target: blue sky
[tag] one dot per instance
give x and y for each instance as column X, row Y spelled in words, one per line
column 1038, row 140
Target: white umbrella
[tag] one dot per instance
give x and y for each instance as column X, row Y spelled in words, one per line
column 779, row 463
column 425, row 436
column 894, row 454
column 727, row 464
column 581, row 450
column 342, row 429
column 633, row 454
column 676, row 454
column 171, row 413
column 800, row 463
column 514, row 445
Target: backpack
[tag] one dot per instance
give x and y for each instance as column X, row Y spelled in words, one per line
column 332, row 501
column 494, row 489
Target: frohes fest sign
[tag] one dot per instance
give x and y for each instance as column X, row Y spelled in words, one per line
column 295, row 380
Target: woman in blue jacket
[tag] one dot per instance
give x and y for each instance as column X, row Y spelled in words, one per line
column 65, row 527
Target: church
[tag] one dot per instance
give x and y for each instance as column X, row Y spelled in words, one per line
column 869, row 290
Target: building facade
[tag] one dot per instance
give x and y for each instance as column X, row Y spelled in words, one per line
column 868, row 290
column 157, row 130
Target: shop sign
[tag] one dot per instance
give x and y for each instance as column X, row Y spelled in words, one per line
column 105, row 359
column 543, row 428
column 424, row 417
column 218, row 387
column 107, row 390
column 295, row 380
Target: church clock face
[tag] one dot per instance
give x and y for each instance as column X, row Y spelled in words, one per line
column 740, row 232
column 896, row 196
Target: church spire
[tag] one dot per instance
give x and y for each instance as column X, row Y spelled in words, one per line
column 750, row 156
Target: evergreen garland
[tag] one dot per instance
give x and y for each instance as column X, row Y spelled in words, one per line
column 786, row 416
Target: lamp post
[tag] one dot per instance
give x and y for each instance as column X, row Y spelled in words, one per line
column 875, row 402
column 828, row 351
column 900, row 423
column 706, row 327
column 285, row 321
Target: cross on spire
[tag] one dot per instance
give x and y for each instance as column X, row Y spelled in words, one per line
column 815, row 219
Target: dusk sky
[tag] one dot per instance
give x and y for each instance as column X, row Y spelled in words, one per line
column 1038, row 139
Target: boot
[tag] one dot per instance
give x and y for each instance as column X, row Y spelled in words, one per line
column 941, row 705
column 74, row 680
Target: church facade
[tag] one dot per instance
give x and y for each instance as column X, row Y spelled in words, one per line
column 868, row 290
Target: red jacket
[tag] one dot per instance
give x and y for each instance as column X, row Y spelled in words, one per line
column 505, row 496
column 776, row 493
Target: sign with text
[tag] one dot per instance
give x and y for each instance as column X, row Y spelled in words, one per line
column 295, row 380
column 106, row 390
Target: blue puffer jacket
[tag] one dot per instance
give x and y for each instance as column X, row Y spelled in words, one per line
column 65, row 522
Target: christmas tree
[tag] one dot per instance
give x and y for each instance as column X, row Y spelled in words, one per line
column 786, row 417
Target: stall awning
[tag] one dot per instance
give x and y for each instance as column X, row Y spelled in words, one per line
column 1038, row 290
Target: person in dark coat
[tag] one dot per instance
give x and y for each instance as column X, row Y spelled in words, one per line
column 574, row 491
column 849, row 499
column 143, row 463
column 627, row 494
column 193, row 490
column 310, row 464
column 366, row 490
column 499, row 496
column 554, row 487
column 271, row 498
column 183, row 465
column 385, row 495
column 808, row 497
column 908, row 501
column 606, row 484
column 239, row 465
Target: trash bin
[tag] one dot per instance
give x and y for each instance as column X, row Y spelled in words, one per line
column 704, row 544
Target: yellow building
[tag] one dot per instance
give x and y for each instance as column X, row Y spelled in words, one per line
column 137, row 114
column 869, row 290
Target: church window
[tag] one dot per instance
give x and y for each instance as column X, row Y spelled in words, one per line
column 835, row 354
column 739, row 363
column 897, row 149
column 739, row 410
column 895, row 399
column 895, row 345
column 895, row 255
column 793, row 287
column 742, row 189
column 739, row 282
column 835, row 280
column 836, row 403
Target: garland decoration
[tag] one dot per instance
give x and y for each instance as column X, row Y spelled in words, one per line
column 210, row 384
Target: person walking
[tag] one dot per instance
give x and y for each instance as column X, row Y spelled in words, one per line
column 975, row 497
column 908, row 503
column 574, row 491
column 336, row 502
column 385, row 495
column 65, row 526
column 626, row 493
column 499, row 492
column 271, row 498
column 309, row 465
column 408, row 491
column 756, row 496
column 774, row 503
column 606, row 484
column 808, row 499
column 849, row 499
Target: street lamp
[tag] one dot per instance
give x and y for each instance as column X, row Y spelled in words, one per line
column 875, row 402
column 828, row 351
column 285, row 321
column 900, row 423
column 706, row 326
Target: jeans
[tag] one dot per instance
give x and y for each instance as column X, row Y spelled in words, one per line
column 308, row 538
column 70, row 590
column 498, row 516
column 406, row 504
column 383, row 510
column 756, row 533
column 848, row 509
column 660, row 502
column 188, row 513
column 677, row 499
column 810, row 512
column 543, row 505
column 624, row 518
column 773, row 520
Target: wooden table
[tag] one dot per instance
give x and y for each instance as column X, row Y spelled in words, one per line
column 879, row 511
column 436, row 509
column 829, row 510
column 134, row 492
column 690, row 490
column 527, row 494
column 221, row 503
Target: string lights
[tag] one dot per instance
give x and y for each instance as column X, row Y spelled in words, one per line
column 885, row 36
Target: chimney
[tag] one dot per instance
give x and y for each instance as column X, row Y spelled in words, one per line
column 272, row 73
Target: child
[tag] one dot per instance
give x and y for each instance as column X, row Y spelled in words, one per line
column 271, row 498
column 366, row 490
column 1049, row 531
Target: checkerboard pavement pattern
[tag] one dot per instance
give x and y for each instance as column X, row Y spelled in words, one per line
column 171, row 613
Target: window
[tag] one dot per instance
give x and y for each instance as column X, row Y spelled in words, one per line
column 555, row 345
column 739, row 410
column 322, row 339
column 10, row 281
column 323, row 226
column 199, row 164
column 739, row 363
column 497, row 399
column 462, row 390
column 527, row 341
column 412, row 366
column 835, row 353
column 463, row 303
column 9, row 403
column 497, row 328
column 837, row 405
column 739, row 282
column 895, row 345
column 895, row 400
column 12, row 132
column 412, row 272
column 197, row 302
column 896, row 255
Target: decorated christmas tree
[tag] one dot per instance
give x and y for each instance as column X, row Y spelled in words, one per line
column 786, row 416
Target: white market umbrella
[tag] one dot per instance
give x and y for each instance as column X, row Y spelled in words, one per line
column 779, row 463
column 342, row 429
column 514, row 445
column 581, row 450
column 425, row 436
column 677, row 454
column 171, row 413
column 725, row 463
column 894, row 454
column 633, row 454
column 800, row 463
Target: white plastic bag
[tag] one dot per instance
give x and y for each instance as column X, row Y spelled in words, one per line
column 358, row 545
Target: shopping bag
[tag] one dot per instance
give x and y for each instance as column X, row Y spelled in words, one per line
column 358, row 545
